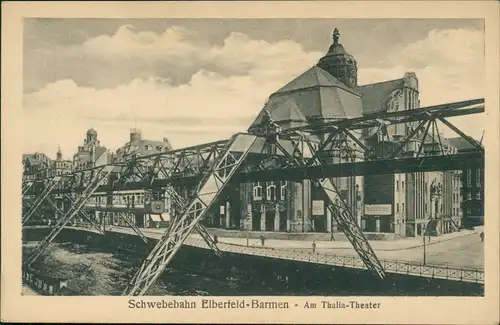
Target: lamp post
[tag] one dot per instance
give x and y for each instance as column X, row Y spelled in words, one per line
column 423, row 238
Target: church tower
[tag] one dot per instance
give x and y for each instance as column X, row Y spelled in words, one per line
column 339, row 63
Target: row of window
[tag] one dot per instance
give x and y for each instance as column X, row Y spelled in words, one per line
column 271, row 191
column 477, row 196
column 478, row 177
column 132, row 198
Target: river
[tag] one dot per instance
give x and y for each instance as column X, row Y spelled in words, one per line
column 93, row 270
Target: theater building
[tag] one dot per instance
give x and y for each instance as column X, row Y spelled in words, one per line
column 401, row 204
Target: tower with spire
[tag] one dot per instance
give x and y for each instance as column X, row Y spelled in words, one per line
column 339, row 63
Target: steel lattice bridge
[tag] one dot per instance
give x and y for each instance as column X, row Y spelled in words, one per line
column 195, row 178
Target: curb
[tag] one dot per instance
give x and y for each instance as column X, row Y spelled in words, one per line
column 333, row 248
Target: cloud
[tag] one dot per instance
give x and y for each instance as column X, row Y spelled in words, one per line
column 208, row 108
column 177, row 45
column 228, row 87
column 450, row 67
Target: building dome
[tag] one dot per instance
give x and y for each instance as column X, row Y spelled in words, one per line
column 91, row 132
column 339, row 63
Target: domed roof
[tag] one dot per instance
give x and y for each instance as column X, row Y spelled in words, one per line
column 92, row 131
column 339, row 63
column 336, row 49
column 315, row 94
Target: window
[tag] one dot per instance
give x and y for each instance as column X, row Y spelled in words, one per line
column 403, row 207
column 426, row 208
column 271, row 193
column 283, row 190
column 403, row 185
column 257, row 192
column 478, row 196
column 478, row 177
column 397, row 185
column 469, row 176
column 469, row 196
column 397, row 207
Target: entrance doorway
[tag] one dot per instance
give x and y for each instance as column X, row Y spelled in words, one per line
column 255, row 221
column 283, row 221
column 319, row 223
column 270, row 220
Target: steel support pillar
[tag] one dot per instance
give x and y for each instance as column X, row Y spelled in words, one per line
column 208, row 191
column 341, row 211
column 82, row 213
column 97, row 177
column 181, row 204
column 132, row 225
column 50, row 186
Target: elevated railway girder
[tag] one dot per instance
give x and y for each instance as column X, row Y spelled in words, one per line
column 209, row 168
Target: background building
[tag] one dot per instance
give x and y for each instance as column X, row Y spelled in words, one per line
column 35, row 166
column 471, row 189
column 91, row 154
column 59, row 166
column 137, row 146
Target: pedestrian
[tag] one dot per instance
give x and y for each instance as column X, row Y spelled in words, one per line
column 262, row 240
column 314, row 246
column 482, row 236
column 216, row 239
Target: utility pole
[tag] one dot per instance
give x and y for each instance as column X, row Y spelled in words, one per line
column 423, row 238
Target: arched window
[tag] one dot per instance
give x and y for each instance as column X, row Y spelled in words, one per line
column 283, row 190
column 257, row 191
column 271, row 192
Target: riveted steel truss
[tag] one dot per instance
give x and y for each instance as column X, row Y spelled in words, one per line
column 131, row 222
column 90, row 219
column 181, row 203
column 26, row 187
column 210, row 167
column 212, row 183
column 304, row 148
column 52, row 183
column 98, row 175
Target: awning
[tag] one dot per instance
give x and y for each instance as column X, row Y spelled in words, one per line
column 155, row 217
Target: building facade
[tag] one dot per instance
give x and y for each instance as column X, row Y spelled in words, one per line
column 91, row 153
column 402, row 203
column 36, row 166
column 60, row 166
column 137, row 146
column 471, row 189
column 123, row 207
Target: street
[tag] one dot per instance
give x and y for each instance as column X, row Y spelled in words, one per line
column 460, row 249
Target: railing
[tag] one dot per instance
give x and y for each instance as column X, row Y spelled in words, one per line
column 391, row 266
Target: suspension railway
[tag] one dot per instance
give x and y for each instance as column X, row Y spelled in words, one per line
column 194, row 178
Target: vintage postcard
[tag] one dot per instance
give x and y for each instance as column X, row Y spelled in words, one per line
column 284, row 162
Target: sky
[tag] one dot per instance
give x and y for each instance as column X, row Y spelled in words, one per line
column 200, row 80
